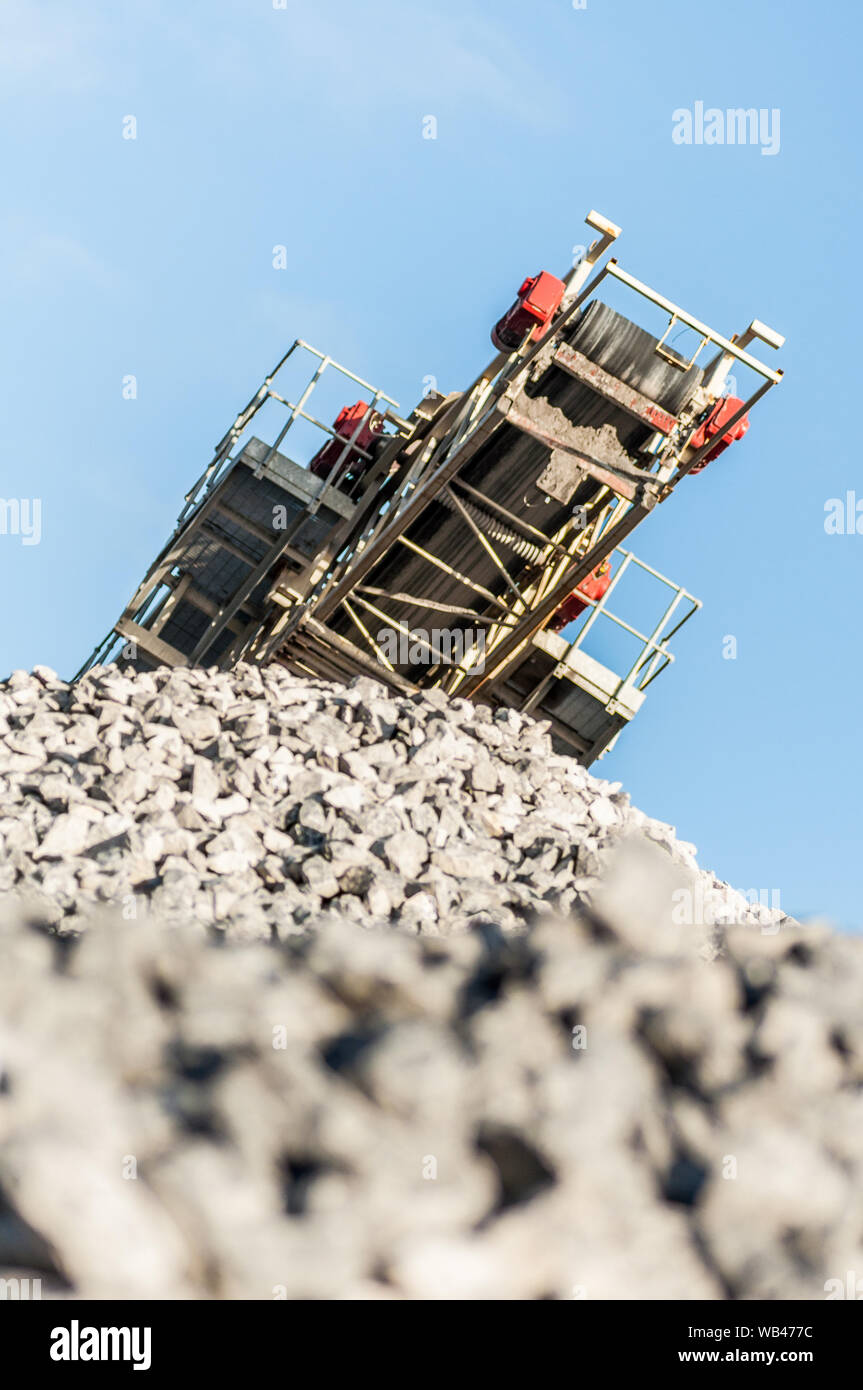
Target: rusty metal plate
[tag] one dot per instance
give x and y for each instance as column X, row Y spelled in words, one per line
column 613, row 389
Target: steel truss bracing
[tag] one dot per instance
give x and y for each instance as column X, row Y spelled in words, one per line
column 440, row 554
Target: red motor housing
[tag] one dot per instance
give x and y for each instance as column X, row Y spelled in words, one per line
column 722, row 412
column 538, row 301
column 344, row 425
column 594, row 586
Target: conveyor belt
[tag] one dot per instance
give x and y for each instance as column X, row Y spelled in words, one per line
column 507, row 467
column 449, row 533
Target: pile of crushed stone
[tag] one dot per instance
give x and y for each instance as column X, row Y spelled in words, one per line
column 586, row 1109
column 252, row 800
column 313, row 992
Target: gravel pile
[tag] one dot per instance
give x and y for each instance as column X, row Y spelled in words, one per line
column 310, row 992
column 252, row 800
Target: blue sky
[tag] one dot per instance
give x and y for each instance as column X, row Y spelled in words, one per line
column 302, row 126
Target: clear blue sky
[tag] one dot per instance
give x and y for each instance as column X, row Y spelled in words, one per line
column 302, row 126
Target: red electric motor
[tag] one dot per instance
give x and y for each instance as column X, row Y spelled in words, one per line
column 344, row 425
column 722, row 412
column 538, row 301
column 593, row 586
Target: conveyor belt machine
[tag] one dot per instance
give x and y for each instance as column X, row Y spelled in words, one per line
column 436, row 550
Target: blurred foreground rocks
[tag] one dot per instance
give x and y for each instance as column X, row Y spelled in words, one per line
column 308, row 991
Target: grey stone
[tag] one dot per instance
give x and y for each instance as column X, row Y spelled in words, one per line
column 510, row 1062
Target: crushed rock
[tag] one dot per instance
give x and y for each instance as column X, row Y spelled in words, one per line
column 310, row 991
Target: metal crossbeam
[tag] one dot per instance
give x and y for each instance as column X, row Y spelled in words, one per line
column 613, row 389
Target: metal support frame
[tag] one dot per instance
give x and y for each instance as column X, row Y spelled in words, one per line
column 522, row 631
column 518, row 523
column 486, row 545
column 423, row 462
column 653, row 644
column 510, row 403
column 773, row 375
column 204, row 500
column 653, row 651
